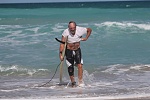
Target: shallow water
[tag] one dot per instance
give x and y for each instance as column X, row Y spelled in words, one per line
column 116, row 55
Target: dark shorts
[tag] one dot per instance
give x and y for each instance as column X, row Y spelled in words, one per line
column 73, row 57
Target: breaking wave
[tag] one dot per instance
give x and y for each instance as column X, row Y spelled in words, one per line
column 16, row 70
column 124, row 25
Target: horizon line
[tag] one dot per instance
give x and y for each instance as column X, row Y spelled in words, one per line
column 71, row 1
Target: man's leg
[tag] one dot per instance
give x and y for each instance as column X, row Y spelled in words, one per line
column 71, row 73
column 73, row 83
column 70, row 64
column 80, row 74
column 79, row 63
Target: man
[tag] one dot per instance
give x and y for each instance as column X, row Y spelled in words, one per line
column 73, row 34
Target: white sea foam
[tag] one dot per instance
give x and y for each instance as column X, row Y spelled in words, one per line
column 120, row 68
column 88, row 78
column 139, row 67
column 11, row 26
column 112, row 68
column 14, row 69
column 35, row 29
column 101, row 84
column 2, row 90
column 55, row 29
column 18, row 35
column 58, row 28
column 18, row 18
column 118, row 97
column 145, row 26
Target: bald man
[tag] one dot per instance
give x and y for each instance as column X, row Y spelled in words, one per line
column 73, row 34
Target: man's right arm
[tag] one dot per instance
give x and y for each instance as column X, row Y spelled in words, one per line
column 61, row 48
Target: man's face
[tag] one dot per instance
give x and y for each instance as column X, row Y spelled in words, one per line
column 72, row 28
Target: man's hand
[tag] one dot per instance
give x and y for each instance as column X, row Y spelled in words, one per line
column 61, row 57
column 83, row 39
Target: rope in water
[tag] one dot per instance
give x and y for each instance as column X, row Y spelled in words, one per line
column 52, row 76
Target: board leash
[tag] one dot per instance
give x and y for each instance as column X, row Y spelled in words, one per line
column 52, row 76
column 56, row 67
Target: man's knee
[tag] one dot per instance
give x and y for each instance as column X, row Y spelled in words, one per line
column 71, row 70
column 79, row 66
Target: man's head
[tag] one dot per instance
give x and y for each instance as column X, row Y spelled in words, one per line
column 72, row 27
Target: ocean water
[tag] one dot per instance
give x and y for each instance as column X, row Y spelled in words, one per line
column 116, row 55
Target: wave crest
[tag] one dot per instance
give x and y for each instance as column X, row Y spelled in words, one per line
column 144, row 26
column 119, row 68
column 16, row 70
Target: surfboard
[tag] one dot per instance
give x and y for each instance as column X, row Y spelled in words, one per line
column 61, row 65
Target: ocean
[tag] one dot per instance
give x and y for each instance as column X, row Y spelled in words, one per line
column 116, row 55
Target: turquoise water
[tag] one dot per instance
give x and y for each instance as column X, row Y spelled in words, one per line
column 116, row 54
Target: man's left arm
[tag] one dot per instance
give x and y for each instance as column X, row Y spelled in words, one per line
column 89, row 30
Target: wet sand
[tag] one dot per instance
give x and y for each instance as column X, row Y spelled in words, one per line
column 90, row 98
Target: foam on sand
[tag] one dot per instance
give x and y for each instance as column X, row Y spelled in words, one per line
column 124, row 97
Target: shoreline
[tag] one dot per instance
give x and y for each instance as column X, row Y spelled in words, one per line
column 90, row 98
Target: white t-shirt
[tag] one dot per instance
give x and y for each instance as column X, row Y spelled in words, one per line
column 77, row 37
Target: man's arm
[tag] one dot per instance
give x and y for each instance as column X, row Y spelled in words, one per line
column 61, row 48
column 89, row 30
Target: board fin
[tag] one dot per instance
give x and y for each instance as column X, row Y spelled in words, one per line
column 60, row 41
